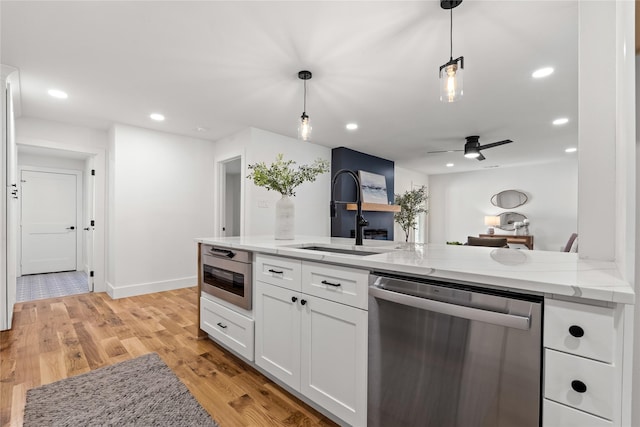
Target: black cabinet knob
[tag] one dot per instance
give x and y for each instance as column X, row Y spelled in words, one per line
column 294, row 299
column 576, row 331
column 578, row 386
column 303, row 301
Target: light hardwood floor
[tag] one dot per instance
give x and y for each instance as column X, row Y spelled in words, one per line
column 62, row 337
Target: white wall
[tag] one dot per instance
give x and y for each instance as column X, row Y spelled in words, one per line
column 160, row 200
column 32, row 129
column 56, row 162
column 311, row 200
column 458, row 202
column 405, row 180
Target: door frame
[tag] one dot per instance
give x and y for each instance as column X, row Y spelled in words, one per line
column 99, row 155
column 220, row 188
column 79, row 211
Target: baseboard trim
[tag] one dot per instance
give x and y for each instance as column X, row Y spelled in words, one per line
column 116, row 292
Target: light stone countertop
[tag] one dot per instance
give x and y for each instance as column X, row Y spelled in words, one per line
column 538, row 272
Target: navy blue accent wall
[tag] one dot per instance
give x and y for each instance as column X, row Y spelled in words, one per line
column 345, row 158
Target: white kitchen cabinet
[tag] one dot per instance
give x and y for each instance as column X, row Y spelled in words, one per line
column 227, row 326
column 277, row 347
column 341, row 284
column 581, row 329
column 284, row 272
column 557, row 415
column 314, row 345
column 334, row 358
column 582, row 364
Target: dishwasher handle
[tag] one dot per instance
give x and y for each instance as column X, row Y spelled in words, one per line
column 471, row 313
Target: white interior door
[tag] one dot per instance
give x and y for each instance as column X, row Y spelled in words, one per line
column 49, row 219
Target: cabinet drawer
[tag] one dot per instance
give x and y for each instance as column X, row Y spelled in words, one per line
column 341, row 284
column 581, row 329
column 557, row 415
column 278, row 271
column 561, row 372
column 228, row 327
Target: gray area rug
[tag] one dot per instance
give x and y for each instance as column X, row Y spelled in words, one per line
column 137, row 392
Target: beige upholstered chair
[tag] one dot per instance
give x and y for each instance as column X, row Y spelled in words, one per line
column 493, row 242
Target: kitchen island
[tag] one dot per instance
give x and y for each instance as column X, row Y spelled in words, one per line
column 582, row 371
column 539, row 272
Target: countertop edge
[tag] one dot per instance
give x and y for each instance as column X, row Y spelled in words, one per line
column 401, row 262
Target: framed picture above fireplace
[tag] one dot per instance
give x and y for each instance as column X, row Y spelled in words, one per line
column 373, row 188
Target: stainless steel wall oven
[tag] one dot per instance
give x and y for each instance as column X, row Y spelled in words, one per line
column 226, row 274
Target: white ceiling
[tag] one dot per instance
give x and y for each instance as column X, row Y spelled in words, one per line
column 225, row 65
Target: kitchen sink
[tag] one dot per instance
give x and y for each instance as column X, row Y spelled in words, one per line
column 344, row 251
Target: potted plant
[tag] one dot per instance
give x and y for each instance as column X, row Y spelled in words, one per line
column 411, row 205
column 281, row 176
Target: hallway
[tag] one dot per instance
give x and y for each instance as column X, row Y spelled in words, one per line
column 51, row 285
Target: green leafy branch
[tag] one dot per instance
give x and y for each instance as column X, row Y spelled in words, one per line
column 411, row 205
column 280, row 176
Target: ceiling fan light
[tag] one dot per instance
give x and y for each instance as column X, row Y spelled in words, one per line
column 471, row 148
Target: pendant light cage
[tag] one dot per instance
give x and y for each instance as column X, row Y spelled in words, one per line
column 304, row 122
column 451, row 73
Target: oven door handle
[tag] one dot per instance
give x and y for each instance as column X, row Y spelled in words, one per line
column 222, row 252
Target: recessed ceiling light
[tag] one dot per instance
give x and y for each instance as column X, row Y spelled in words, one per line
column 571, row 150
column 561, row 121
column 542, row 72
column 201, row 129
column 352, row 126
column 450, row 165
column 157, row 117
column 56, row 93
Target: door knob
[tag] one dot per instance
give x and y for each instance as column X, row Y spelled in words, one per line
column 86, row 229
column 71, row 228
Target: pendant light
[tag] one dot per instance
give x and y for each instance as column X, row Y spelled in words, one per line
column 304, row 126
column 451, row 72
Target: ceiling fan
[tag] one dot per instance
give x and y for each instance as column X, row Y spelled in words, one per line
column 472, row 147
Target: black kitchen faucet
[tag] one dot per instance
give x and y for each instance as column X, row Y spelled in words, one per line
column 360, row 221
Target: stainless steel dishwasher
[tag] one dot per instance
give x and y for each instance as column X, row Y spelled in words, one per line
column 451, row 354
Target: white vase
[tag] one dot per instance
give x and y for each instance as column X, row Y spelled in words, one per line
column 285, row 218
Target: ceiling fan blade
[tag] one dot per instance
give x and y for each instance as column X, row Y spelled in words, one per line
column 481, row 157
column 495, row 144
column 442, row 151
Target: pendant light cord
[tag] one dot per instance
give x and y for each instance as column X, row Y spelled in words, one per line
column 451, row 35
column 304, row 102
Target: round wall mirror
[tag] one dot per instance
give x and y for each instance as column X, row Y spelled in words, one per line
column 509, row 199
column 508, row 220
